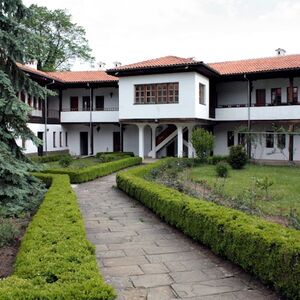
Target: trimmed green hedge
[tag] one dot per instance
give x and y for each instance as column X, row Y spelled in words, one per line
column 267, row 250
column 55, row 260
column 48, row 158
column 98, row 170
column 115, row 153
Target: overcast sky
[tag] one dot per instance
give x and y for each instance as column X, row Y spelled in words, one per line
column 209, row 30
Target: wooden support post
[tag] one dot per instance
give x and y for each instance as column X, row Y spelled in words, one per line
column 291, row 143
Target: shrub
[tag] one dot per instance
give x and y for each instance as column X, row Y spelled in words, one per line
column 267, row 250
column 237, row 157
column 203, row 142
column 48, row 158
column 7, row 232
column 98, row 170
column 222, row 169
column 99, row 154
column 55, row 260
column 213, row 160
column 108, row 157
column 65, row 161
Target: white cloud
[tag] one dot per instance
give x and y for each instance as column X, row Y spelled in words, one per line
column 211, row 30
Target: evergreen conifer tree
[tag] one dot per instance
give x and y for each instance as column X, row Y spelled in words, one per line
column 18, row 189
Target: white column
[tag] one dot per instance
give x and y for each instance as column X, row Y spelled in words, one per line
column 153, row 135
column 179, row 141
column 141, row 140
column 190, row 146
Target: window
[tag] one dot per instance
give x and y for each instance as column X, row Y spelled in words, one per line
column 35, row 102
column 86, row 103
column 66, row 138
column 54, row 139
column 22, row 96
column 201, row 93
column 230, row 138
column 242, row 139
column 281, row 141
column 99, row 103
column 276, row 96
column 260, row 97
column 270, row 139
column 29, row 101
column 60, row 139
column 292, row 94
column 157, row 93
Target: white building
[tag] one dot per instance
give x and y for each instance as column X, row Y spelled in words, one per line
column 151, row 107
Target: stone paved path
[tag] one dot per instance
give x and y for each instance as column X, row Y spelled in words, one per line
column 144, row 258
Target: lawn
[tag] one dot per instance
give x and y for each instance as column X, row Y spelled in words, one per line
column 78, row 163
column 284, row 193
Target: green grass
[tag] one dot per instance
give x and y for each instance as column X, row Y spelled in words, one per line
column 76, row 164
column 285, row 191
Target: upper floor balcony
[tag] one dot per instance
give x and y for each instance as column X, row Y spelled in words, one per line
column 85, row 115
column 268, row 111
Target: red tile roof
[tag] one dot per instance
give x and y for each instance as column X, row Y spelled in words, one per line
column 35, row 71
column 165, row 61
column 256, row 65
column 83, row 76
column 72, row 76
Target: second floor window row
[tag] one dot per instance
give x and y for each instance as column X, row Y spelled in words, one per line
column 157, row 93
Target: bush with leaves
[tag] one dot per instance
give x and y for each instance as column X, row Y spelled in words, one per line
column 222, row 169
column 65, row 161
column 7, row 232
column 237, row 157
column 203, row 143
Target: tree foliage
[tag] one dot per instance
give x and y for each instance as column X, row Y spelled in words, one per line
column 60, row 40
column 17, row 186
column 203, row 143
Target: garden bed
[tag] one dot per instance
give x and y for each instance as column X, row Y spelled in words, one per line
column 268, row 250
column 56, row 261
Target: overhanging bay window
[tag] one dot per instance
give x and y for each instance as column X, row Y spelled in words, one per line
column 157, row 93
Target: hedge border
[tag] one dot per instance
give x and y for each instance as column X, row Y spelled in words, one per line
column 98, row 170
column 55, row 260
column 267, row 250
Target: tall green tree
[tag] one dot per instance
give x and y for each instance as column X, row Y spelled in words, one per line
column 17, row 187
column 60, row 40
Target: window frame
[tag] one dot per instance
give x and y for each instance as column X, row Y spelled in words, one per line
column 202, row 92
column 294, row 94
column 270, row 139
column 276, row 96
column 54, row 139
column 156, row 93
column 230, row 138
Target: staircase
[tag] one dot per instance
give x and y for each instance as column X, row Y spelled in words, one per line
column 165, row 137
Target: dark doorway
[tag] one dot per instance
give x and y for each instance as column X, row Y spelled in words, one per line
column 171, row 149
column 260, row 97
column 99, row 102
column 85, row 103
column 40, row 135
column 84, row 140
column 74, row 103
column 116, row 141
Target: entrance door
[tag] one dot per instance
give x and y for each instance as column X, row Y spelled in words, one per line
column 260, row 97
column 99, row 102
column 40, row 135
column 85, row 103
column 84, row 140
column 116, row 141
column 74, row 103
column 171, row 149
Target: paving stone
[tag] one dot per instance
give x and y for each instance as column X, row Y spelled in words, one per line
column 124, row 261
column 154, row 268
column 160, row 293
column 208, row 287
column 122, row 271
column 144, row 258
column 151, row 280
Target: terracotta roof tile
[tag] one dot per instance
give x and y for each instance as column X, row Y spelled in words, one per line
column 83, row 76
column 158, row 62
column 37, row 72
column 277, row 63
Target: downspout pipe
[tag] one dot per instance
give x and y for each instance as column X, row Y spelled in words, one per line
column 46, row 117
column 248, row 114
